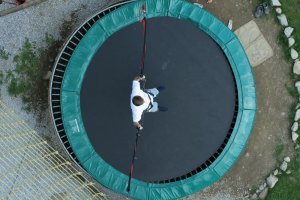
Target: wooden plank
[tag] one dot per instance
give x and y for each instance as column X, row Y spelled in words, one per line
column 20, row 7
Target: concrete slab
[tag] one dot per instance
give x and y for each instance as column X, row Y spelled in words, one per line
column 256, row 46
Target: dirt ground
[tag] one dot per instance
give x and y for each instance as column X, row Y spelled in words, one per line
column 271, row 128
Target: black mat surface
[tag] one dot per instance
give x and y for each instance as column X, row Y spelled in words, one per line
column 200, row 95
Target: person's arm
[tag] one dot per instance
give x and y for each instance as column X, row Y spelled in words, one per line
column 136, row 117
column 137, row 125
column 136, row 83
column 139, row 78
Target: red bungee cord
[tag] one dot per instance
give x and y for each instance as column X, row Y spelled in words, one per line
column 138, row 133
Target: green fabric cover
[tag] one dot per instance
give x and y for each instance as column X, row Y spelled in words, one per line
column 74, row 75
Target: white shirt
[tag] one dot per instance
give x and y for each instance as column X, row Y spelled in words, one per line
column 137, row 111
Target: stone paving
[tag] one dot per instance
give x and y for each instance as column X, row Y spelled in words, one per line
column 256, row 46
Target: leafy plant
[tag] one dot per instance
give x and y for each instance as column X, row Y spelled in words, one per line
column 27, row 80
column 3, row 54
column 1, row 80
column 49, row 39
column 1, row 77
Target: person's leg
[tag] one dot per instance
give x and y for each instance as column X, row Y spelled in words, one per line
column 154, row 107
column 154, row 92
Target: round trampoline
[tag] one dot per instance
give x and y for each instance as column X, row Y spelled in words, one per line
column 210, row 95
column 200, row 95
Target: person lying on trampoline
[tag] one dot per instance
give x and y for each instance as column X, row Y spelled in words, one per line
column 141, row 101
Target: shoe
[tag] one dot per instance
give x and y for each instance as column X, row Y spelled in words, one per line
column 160, row 88
column 162, row 109
column 230, row 24
column 198, row 4
column 266, row 8
column 259, row 10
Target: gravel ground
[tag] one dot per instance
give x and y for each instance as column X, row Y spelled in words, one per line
column 33, row 23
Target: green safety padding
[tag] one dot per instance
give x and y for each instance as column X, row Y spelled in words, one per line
column 81, row 58
column 201, row 19
column 74, row 75
column 73, row 125
column 245, row 75
column 237, row 143
column 183, row 188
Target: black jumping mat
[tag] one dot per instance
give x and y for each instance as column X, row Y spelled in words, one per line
column 200, row 95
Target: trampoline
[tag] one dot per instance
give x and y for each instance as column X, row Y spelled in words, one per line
column 210, row 95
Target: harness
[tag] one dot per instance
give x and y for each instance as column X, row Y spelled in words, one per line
column 150, row 104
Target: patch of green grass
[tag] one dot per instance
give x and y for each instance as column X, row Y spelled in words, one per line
column 27, row 69
column 291, row 10
column 3, row 54
column 292, row 112
column 278, row 152
column 292, row 90
column 288, row 185
column 1, row 79
column 49, row 39
column 283, row 41
column 253, row 189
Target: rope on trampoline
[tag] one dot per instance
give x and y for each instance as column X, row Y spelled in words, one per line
column 138, row 134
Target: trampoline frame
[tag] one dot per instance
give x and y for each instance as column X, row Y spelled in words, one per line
column 244, row 82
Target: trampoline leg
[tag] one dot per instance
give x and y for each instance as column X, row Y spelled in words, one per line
column 154, row 107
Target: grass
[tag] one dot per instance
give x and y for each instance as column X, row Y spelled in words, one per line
column 1, row 80
column 283, row 41
column 278, row 152
column 27, row 80
column 291, row 10
column 3, row 54
column 1, row 77
column 288, row 185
